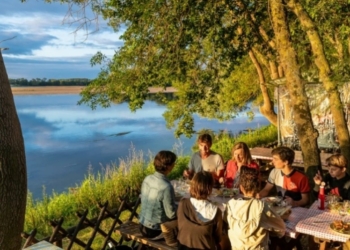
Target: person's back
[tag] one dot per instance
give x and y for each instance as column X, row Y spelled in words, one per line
column 195, row 233
column 157, row 196
column 199, row 221
column 249, row 219
column 249, row 222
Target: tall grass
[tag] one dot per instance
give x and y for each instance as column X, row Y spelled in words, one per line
column 123, row 180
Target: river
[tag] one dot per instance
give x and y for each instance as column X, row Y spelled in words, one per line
column 63, row 140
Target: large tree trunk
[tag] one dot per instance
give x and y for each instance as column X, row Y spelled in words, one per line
column 13, row 176
column 302, row 115
column 331, row 87
column 267, row 108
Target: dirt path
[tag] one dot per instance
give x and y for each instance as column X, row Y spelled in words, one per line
column 49, row 90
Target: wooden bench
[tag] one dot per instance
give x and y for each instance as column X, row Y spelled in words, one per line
column 131, row 231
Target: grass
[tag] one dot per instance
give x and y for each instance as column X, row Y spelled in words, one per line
column 123, row 180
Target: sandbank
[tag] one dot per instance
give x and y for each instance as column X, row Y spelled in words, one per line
column 52, row 90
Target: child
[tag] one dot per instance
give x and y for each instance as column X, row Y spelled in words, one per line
column 157, row 196
column 291, row 184
column 249, row 219
column 199, row 221
column 337, row 180
column 240, row 157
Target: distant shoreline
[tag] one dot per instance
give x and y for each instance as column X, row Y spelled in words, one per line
column 61, row 90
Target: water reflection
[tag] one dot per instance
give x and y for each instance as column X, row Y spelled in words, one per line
column 63, row 139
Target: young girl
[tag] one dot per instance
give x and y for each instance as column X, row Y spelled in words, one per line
column 249, row 219
column 157, row 196
column 199, row 221
column 240, row 157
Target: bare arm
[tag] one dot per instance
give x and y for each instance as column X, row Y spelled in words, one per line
column 188, row 173
column 303, row 202
column 265, row 191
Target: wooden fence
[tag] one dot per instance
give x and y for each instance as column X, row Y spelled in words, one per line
column 59, row 233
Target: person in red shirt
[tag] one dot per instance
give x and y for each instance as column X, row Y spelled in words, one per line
column 240, row 157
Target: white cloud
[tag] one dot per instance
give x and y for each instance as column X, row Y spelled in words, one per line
column 42, row 36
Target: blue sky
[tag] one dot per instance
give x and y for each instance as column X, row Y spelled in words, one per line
column 45, row 45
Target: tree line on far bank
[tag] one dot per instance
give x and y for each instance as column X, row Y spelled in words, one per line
column 37, row 82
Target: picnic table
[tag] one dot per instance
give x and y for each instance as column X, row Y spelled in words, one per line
column 296, row 215
column 317, row 224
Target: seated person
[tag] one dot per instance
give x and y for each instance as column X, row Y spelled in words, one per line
column 337, row 180
column 205, row 160
column 157, row 196
column 240, row 157
column 249, row 219
column 199, row 221
column 291, row 184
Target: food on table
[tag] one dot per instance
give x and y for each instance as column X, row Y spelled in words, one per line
column 340, row 226
column 226, row 192
column 335, row 207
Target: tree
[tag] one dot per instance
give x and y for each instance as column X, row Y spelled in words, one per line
column 13, row 175
column 302, row 115
column 323, row 64
column 199, row 46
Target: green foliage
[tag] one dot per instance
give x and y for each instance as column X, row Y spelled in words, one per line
column 194, row 46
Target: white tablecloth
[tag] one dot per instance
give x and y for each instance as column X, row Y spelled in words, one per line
column 297, row 213
column 316, row 223
column 43, row 245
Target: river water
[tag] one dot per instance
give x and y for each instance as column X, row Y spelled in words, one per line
column 64, row 140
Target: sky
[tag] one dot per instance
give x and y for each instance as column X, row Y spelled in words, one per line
column 44, row 43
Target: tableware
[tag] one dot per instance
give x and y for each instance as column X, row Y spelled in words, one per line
column 345, row 229
column 273, row 201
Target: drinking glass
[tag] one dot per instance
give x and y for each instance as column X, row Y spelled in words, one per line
column 343, row 210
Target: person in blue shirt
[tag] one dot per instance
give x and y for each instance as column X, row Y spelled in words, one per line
column 158, row 196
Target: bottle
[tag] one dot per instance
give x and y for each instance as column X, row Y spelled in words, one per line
column 321, row 197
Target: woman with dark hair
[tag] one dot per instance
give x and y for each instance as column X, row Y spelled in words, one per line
column 249, row 219
column 157, row 196
column 199, row 221
column 240, row 157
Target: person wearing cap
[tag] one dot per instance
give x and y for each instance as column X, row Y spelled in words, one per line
column 337, row 181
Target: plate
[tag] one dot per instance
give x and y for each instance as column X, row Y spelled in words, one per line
column 282, row 210
column 275, row 201
column 341, row 230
